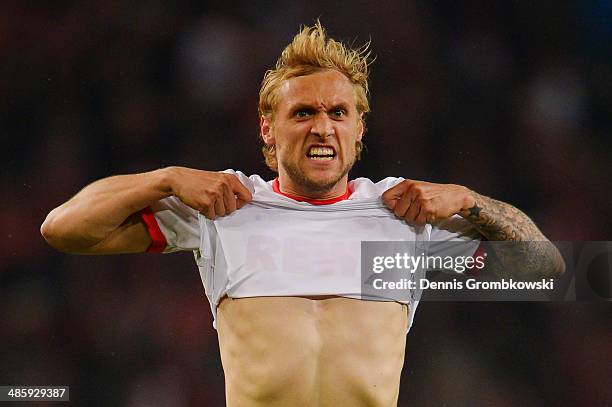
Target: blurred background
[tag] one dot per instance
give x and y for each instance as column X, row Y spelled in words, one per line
column 512, row 99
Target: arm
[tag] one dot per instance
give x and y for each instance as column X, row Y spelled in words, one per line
column 103, row 217
column 498, row 221
column 423, row 202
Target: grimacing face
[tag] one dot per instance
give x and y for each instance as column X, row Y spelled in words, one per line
column 315, row 127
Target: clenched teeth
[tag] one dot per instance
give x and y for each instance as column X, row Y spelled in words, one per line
column 321, row 152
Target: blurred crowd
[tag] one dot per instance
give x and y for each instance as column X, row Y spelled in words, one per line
column 512, row 99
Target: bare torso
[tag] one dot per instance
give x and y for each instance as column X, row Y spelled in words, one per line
column 297, row 351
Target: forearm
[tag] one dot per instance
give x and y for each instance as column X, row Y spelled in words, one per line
column 100, row 208
column 528, row 254
column 532, row 255
column 499, row 221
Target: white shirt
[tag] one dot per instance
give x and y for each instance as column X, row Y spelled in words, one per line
column 276, row 246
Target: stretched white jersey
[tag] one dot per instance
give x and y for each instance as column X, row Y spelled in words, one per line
column 276, row 246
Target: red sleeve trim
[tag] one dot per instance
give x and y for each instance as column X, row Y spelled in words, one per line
column 158, row 240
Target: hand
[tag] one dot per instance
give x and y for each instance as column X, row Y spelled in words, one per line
column 420, row 202
column 211, row 193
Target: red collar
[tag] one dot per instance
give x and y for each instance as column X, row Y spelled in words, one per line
column 276, row 188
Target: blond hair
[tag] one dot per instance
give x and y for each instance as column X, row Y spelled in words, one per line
column 312, row 51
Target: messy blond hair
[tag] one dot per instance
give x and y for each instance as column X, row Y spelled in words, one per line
column 312, row 51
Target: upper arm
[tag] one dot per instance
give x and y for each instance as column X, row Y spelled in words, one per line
column 132, row 236
column 168, row 226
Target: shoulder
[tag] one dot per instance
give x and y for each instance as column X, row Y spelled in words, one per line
column 366, row 188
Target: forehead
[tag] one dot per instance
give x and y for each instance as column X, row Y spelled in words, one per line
column 321, row 88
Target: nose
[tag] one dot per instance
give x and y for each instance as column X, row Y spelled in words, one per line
column 322, row 126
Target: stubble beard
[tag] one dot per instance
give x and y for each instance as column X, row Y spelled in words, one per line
column 312, row 186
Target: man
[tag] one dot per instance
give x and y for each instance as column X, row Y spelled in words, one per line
column 279, row 259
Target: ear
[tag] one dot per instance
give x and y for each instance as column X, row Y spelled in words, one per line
column 265, row 130
column 360, row 127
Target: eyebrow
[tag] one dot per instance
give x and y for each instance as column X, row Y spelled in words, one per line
column 305, row 106
column 340, row 105
column 300, row 106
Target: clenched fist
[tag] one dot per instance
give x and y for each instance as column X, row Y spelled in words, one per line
column 420, row 202
column 211, row 193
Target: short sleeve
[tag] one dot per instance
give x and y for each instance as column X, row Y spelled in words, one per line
column 453, row 237
column 173, row 226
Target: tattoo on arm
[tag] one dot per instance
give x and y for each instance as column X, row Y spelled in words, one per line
column 500, row 221
column 534, row 257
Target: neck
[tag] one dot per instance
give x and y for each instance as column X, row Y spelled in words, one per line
column 295, row 190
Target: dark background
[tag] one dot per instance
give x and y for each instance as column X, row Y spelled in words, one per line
column 512, row 99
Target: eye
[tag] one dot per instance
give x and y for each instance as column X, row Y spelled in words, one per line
column 302, row 113
column 339, row 112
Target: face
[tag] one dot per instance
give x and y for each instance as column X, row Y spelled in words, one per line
column 315, row 128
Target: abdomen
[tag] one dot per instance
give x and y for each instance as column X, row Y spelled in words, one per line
column 311, row 352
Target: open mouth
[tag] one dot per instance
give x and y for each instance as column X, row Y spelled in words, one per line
column 321, row 153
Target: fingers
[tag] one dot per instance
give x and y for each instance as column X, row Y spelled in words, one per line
column 238, row 188
column 413, row 211
column 209, row 212
column 430, row 211
column 422, row 217
column 401, row 206
column 393, row 194
column 229, row 200
column 240, row 203
column 240, row 194
column 225, row 194
column 219, row 207
column 419, row 202
column 407, row 202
